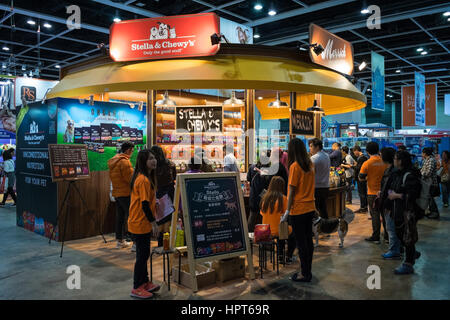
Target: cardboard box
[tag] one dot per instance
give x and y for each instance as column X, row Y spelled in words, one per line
column 229, row 269
column 204, row 278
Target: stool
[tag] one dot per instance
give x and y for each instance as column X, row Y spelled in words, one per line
column 263, row 255
column 166, row 255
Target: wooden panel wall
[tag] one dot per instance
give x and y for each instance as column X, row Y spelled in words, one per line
column 83, row 222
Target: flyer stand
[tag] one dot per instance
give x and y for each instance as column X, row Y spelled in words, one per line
column 215, row 223
column 69, row 163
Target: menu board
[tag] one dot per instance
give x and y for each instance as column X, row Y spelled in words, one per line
column 215, row 216
column 68, row 161
column 302, row 122
column 199, row 119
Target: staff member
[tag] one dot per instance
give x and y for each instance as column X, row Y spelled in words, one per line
column 362, row 185
column 142, row 221
column 301, row 206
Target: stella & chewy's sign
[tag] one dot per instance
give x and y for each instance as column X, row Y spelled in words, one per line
column 164, row 37
column 337, row 54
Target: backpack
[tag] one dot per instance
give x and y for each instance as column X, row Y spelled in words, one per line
column 423, row 200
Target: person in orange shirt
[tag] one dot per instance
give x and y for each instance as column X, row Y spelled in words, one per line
column 301, row 205
column 372, row 171
column 273, row 205
column 141, row 220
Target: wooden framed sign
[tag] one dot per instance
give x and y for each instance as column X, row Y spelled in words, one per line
column 302, row 122
column 214, row 218
column 199, row 118
column 68, row 162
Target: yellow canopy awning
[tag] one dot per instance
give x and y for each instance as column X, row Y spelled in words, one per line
column 218, row 72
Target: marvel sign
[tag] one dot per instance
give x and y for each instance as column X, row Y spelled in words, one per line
column 164, row 37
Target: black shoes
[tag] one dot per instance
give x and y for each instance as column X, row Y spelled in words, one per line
column 374, row 240
column 361, row 210
column 295, row 277
column 434, row 215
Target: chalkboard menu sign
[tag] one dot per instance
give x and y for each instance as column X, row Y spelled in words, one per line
column 199, row 119
column 68, row 161
column 215, row 216
column 302, row 122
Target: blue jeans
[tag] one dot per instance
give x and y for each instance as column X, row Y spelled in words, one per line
column 445, row 191
column 394, row 241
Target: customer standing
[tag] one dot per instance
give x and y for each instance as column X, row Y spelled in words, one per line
column 445, row 177
column 166, row 174
column 362, row 185
column 301, row 206
column 387, row 155
column 336, row 155
column 120, row 173
column 141, row 221
column 348, row 163
column 404, row 190
column 429, row 174
column 229, row 160
column 372, row 171
column 8, row 168
column 321, row 162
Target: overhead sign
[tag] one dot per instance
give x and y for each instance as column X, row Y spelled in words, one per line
column 338, row 53
column 235, row 32
column 419, row 101
column 31, row 89
column 164, row 37
column 377, row 82
column 302, row 122
column 199, row 119
column 409, row 108
column 68, row 161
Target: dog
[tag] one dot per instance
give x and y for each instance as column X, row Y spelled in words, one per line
column 154, row 33
column 163, row 30
column 328, row 226
column 69, row 134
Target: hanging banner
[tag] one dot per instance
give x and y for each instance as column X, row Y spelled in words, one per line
column 409, row 109
column 377, row 82
column 235, row 32
column 337, row 54
column 447, row 104
column 419, row 101
column 164, row 37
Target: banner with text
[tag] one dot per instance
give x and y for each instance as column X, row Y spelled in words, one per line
column 377, row 81
column 409, row 109
column 419, row 101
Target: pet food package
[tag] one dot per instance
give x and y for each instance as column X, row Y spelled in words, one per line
column 106, row 134
column 86, row 131
column 78, row 135
column 95, row 133
column 125, row 134
column 133, row 135
column 262, row 233
column 116, row 134
column 140, row 137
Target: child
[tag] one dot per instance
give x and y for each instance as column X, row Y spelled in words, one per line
column 273, row 205
column 141, row 220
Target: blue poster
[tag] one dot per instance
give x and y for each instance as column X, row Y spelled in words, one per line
column 377, row 81
column 419, row 93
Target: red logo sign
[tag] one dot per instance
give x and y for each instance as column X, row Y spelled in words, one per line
column 164, row 37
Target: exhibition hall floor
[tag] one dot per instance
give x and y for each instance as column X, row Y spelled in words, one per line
column 30, row 268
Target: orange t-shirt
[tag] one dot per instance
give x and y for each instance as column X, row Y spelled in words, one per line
column 273, row 218
column 304, row 183
column 142, row 191
column 374, row 169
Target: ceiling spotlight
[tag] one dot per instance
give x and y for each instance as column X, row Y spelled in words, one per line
column 278, row 103
column 24, row 67
column 419, row 49
column 272, row 12
column 446, row 14
column 398, row 70
column 141, row 106
column 5, row 48
column 424, row 53
column 317, row 48
column 256, row 36
column 260, row 98
column 57, row 66
column 3, row 65
column 32, row 22
column 365, row 11
column 116, row 19
column 258, row 6
column 166, row 101
column 448, row 19
column 369, row 90
column 47, row 25
column 362, row 66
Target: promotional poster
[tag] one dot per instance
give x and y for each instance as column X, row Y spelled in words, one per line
column 408, row 105
column 377, row 82
column 103, row 127
column 235, row 32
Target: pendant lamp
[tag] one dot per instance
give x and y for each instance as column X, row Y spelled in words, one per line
column 166, row 102
column 233, row 101
column 278, row 103
column 316, row 108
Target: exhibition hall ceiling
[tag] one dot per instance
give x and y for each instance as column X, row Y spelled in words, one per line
column 412, row 35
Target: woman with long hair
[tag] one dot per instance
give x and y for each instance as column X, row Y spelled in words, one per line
column 301, row 205
column 445, row 177
column 141, row 220
column 273, row 205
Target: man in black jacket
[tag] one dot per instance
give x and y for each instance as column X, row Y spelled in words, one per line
column 362, row 185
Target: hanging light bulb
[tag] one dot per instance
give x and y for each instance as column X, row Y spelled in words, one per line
column 166, row 102
column 278, row 103
column 316, row 108
column 233, row 101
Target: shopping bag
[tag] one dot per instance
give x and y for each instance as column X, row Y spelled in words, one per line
column 262, row 233
column 283, row 231
column 3, row 184
column 164, row 209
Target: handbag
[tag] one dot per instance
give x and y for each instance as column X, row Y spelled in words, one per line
column 283, row 231
column 444, row 177
column 435, row 191
column 3, row 184
column 164, row 209
column 262, row 233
